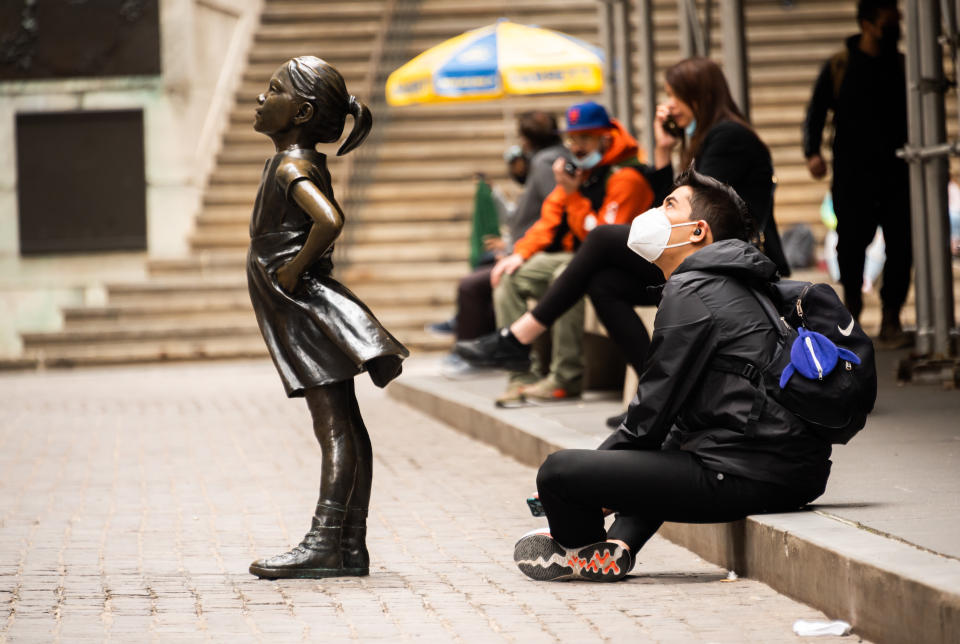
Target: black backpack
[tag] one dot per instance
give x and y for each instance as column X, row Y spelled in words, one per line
column 832, row 399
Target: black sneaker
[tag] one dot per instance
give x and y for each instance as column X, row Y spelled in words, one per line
column 497, row 350
column 540, row 557
column 613, row 422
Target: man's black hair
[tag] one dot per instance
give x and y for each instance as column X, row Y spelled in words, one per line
column 867, row 9
column 540, row 128
column 719, row 205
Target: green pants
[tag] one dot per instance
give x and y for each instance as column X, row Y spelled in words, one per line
column 530, row 281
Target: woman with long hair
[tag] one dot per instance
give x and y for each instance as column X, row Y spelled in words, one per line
column 717, row 141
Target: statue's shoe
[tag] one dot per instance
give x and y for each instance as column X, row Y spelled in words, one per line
column 540, row 557
column 356, row 559
column 301, row 563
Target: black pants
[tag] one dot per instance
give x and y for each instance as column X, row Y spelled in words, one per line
column 617, row 280
column 859, row 212
column 475, row 316
column 646, row 488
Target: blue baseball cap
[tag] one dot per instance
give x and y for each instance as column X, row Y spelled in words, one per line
column 587, row 116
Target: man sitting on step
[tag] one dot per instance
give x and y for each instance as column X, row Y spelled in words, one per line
column 602, row 182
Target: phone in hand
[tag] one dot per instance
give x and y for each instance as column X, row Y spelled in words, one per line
column 536, row 508
column 670, row 127
column 570, row 168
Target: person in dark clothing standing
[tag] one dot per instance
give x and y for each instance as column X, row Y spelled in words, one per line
column 864, row 87
column 687, row 450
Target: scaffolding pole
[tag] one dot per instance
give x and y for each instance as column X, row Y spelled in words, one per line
column 692, row 40
column 735, row 53
column 935, row 176
column 918, row 201
column 648, row 82
column 624, row 64
column 926, row 151
column 605, row 20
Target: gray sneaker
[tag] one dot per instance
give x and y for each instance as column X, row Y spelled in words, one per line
column 540, row 557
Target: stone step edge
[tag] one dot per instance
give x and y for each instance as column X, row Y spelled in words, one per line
column 889, row 591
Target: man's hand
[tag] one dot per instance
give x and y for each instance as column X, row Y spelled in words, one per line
column 817, row 166
column 508, row 265
column 494, row 244
column 288, row 276
column 564, row 180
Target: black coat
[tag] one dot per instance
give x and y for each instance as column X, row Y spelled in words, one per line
column 869, row 122
column 707, row 309
column 735, row 155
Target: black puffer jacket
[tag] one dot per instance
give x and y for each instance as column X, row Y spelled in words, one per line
column 707, row 310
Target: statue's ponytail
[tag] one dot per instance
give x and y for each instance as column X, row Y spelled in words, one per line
column 362, row 122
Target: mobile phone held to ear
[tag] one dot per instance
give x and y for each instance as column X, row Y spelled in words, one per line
column 536, row 508
column 670, row 127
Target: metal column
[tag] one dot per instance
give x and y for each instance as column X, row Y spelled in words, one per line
column 936, row 358
column 935, row 176
column 624, row 65
column 691, row 36
column 918, row 201
column 735, row 53
column 648, row 82
column 605, row 16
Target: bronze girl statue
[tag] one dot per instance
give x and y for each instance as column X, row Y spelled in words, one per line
column 320, row 335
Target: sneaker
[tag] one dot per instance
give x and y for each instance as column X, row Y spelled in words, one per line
column 613, row 422
column 512, row 397
column 496, row 350
column 447, row 327
column 548, row 390
column 454, row 367
column 540, row 557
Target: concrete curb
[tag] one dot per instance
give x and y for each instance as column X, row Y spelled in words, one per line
column 888, row 590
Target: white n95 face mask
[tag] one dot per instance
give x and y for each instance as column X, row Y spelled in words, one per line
column 650, row 232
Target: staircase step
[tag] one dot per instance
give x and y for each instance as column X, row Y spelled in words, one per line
column 299, row 12
column 237, row 236
column 316, row 32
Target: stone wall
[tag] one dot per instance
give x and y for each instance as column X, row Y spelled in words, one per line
column 204, row 45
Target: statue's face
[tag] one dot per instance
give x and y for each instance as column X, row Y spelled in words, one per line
column 277, row 107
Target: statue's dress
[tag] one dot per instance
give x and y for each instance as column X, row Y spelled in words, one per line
column 321, row 333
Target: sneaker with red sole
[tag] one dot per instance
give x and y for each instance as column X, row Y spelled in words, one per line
column 549, row 390
column 540, row 557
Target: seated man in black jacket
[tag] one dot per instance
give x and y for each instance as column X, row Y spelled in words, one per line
column 685, row 452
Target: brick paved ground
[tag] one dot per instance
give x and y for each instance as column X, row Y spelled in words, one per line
column 133, row 500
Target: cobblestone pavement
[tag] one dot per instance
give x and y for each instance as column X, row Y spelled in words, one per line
column 132, row 501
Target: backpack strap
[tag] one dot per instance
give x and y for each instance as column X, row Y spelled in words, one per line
column 745, row 369
column 838, row 69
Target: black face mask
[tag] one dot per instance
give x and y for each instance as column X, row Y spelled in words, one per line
column 519, row 178
column 890, row 36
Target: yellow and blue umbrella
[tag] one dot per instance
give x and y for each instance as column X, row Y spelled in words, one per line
column 502, row 58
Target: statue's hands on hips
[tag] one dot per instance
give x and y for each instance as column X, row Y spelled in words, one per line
column 287, row 276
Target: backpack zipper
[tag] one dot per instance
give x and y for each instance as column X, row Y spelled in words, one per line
column 814, row 356
column 803, row 293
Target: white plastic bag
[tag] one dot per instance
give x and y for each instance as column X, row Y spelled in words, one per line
column 810, row 628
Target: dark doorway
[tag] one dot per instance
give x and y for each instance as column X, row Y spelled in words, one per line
column 81, row 184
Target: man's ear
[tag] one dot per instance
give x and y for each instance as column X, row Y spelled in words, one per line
column 701, row 233
column 606, row 141
column 304, row 113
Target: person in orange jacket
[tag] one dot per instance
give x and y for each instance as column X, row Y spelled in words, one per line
column 601, row 182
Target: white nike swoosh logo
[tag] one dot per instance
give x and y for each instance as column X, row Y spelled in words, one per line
column 848, row 330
